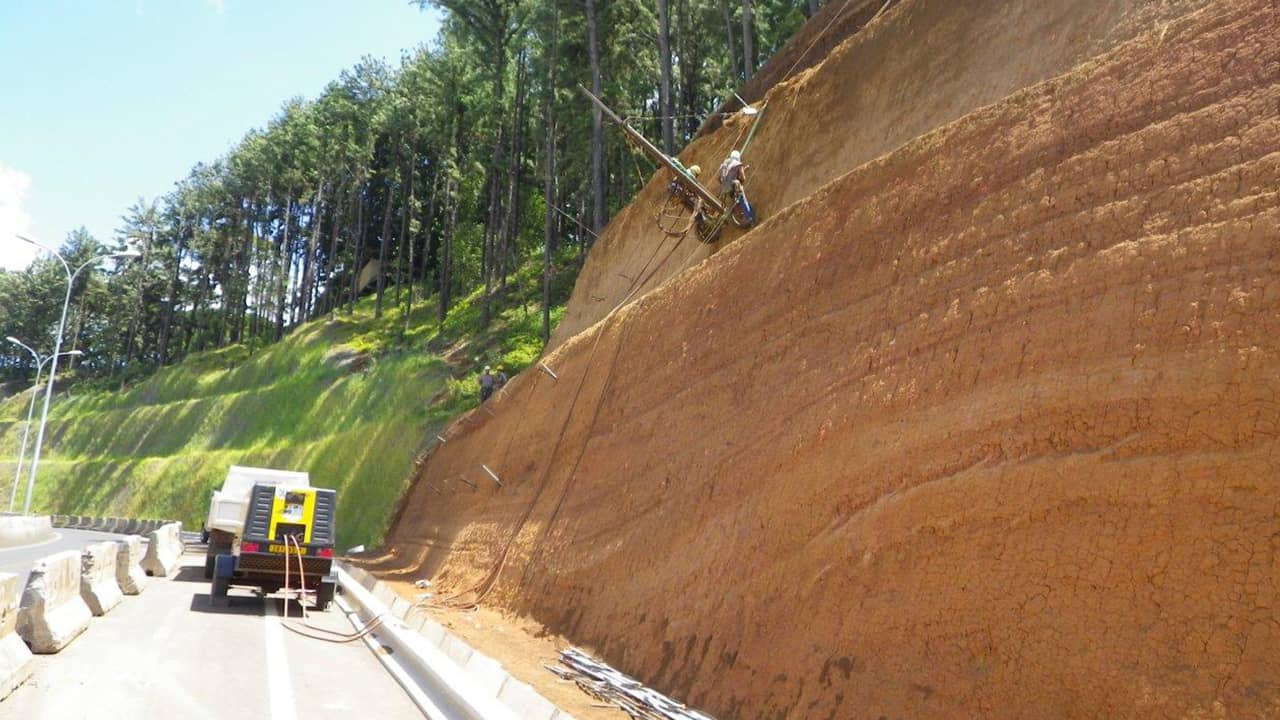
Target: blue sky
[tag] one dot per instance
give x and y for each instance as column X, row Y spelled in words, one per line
column 106, row 101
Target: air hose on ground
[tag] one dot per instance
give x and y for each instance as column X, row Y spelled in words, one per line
column 292, row 545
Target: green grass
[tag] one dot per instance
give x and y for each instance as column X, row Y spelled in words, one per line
column 156, row 448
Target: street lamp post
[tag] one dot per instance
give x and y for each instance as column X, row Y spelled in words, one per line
column 17, row 473
column 57, row 350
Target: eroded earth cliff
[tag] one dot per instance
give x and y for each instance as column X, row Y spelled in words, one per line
column 981, row 421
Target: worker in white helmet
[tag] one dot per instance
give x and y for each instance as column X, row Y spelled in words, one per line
column 733, row 178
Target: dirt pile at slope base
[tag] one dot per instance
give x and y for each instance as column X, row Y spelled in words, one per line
column 984, row 428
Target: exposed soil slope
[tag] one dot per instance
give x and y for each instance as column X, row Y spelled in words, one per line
column 984, row 428
column 919, row 65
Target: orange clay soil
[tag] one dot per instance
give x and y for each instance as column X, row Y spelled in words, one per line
column 919, row 65
column 986, row 427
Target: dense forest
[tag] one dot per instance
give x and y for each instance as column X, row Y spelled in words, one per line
column 414, row 183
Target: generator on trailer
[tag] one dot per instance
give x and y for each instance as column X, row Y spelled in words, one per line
column 268, row 528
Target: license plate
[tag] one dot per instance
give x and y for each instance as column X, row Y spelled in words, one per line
column 282, row 549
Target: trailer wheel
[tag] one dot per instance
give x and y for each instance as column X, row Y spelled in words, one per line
column 211, row 554
column 223, row 569
column 218, row 593
column 324, row 594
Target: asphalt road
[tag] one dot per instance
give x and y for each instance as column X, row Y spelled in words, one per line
column 20, row 559
column 168, row 654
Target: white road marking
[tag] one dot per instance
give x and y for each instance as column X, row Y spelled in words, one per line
column 279, row 685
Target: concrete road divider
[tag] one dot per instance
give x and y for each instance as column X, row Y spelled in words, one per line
column 52, row 613
column 164, row 550
column 15, row 658
column 123, row 526
column 98, row 585
column 18, row 530
column 129, row 573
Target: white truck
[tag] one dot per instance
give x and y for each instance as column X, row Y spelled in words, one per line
column 268, row 530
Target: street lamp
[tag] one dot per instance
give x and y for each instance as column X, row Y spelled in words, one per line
column 17, row 474
column 57, row 350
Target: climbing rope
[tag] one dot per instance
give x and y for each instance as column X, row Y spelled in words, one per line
column 482, row 589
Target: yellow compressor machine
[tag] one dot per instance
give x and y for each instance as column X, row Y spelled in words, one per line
column 287, row 533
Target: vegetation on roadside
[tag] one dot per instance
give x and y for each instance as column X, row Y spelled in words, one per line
column 322, row 296
column 350, row 400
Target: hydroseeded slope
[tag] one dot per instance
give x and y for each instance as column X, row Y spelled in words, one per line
column 985, row 428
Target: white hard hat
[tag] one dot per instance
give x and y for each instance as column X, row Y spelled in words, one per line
column 735, row 155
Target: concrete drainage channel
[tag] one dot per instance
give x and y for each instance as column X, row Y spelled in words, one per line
column 445, row 677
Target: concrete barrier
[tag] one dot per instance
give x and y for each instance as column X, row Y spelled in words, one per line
column 98, row 585
column 130, row 576
column 164, row 550
column 15, row 658
column 52, row 613
column 18, row 530
column 121, row 526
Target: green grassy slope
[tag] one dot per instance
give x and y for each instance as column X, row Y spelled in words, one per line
column 157, row 448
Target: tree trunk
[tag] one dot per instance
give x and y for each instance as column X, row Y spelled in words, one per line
column 386, row 240
column 731, row 43
column 665, row 110
column 451, row 215
column 404, row 228
column 260, row 275
column 748, row 45
column 137, row 305
column 495, row 202
column 510, row 226
column 487, row 240
column 598, row 210
column 341, row 196
column 357, row 255
column 308, row 265
column 244, row 262
column 171, row 303
column 283, row 269
column 424, row 230
column 446, row 265
column 549, row 180
column 813, row 7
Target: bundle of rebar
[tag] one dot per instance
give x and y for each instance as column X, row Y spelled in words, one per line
column 620, row 690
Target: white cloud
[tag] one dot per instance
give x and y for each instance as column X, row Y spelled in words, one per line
column 219, row 6
column 14, row 219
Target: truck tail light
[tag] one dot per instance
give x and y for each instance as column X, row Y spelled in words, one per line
column 249, row 547
column 325, row 552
